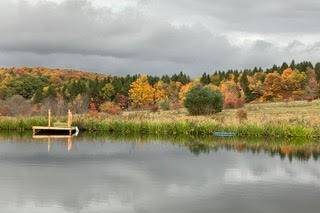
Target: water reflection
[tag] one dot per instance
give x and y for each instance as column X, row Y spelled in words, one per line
column 115, row 174
column 298, row 148
column 290, row 149
column 303, row 152
column 55, row 139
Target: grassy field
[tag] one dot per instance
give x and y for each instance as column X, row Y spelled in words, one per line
column 293, row 119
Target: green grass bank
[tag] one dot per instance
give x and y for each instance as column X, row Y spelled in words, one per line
column 277, row 120
column 165, row 128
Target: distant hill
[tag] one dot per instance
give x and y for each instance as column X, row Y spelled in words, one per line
column 51, row 72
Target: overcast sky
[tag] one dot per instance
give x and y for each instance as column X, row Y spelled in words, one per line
column 158, row 36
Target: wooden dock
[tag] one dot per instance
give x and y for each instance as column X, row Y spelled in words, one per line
column 57, row 131
column 47, row 131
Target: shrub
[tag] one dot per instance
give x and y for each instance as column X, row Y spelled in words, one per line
column 110, row 108
column 175, row 105
column 164, row 104
column 309, row 98
column 122, row 101
column 154, row 107
column 242, row 115
column 15, row 106
column 203, row 101
column 233, row 103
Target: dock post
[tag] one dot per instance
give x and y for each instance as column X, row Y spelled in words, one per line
column 69, row 118
column 49, row 118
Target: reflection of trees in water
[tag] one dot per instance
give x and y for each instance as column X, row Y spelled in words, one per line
column 299, row 148
column 198, row 148
column 299, row 152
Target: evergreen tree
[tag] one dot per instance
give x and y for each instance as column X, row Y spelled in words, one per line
column 255, row 70
column 205, row 79
column 153, row 80
column 293, row 65
column 165, row 79
column 51, row 92
column 245, row 87
column 303, row 66
column 283, row 67
column 38, row 96
column 317, row 70
column 181, row 77
column 275, row 68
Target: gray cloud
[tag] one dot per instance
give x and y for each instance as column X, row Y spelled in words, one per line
column 154, row 37
column 257, row 16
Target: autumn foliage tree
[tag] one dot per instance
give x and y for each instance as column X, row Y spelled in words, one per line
column 312, row 87
column 141, row 93
column 233, row 97
column 60, row 89
column 293, row 83
column 244, row 83
column 160, row 91
column 272, row 87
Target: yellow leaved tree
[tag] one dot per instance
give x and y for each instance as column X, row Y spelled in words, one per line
column 160, row 92
column 141, row 93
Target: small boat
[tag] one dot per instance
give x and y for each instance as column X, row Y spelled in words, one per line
column 58, row 130
column 224, row 134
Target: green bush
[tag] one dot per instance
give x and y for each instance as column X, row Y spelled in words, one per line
column 203, row 101
column 164, row 104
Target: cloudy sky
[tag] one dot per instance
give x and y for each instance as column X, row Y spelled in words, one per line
column 158, row 36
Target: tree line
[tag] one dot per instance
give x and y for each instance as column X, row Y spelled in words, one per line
column 39, row 88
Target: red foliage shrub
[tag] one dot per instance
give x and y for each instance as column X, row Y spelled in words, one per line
column 122, row 101
column 15, row 106
column 309, row 98
column 92, row 107
column 233, row 103
column 154, row 108
column 4, row 110
column 176, row 105
column 110, row 108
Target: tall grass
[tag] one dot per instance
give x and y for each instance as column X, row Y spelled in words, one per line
column 193, row 128
column 21, row 123
column 277, row 120
column 172, row 128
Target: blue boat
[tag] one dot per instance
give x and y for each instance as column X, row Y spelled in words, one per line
column 224, row 134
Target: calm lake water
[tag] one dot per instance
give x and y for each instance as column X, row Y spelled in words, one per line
column 108, row 175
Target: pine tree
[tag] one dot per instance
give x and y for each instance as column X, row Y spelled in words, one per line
column 205, row 79
column 293, row 64
column 283, row 67
column 317, row 70
column 245, row 87
column 165, row 79
column 181, row 77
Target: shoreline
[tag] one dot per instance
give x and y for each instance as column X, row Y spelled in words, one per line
column 168, row 128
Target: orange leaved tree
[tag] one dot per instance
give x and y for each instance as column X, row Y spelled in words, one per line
column 141, row 93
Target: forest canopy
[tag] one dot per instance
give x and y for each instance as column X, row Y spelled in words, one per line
column 60, row 89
